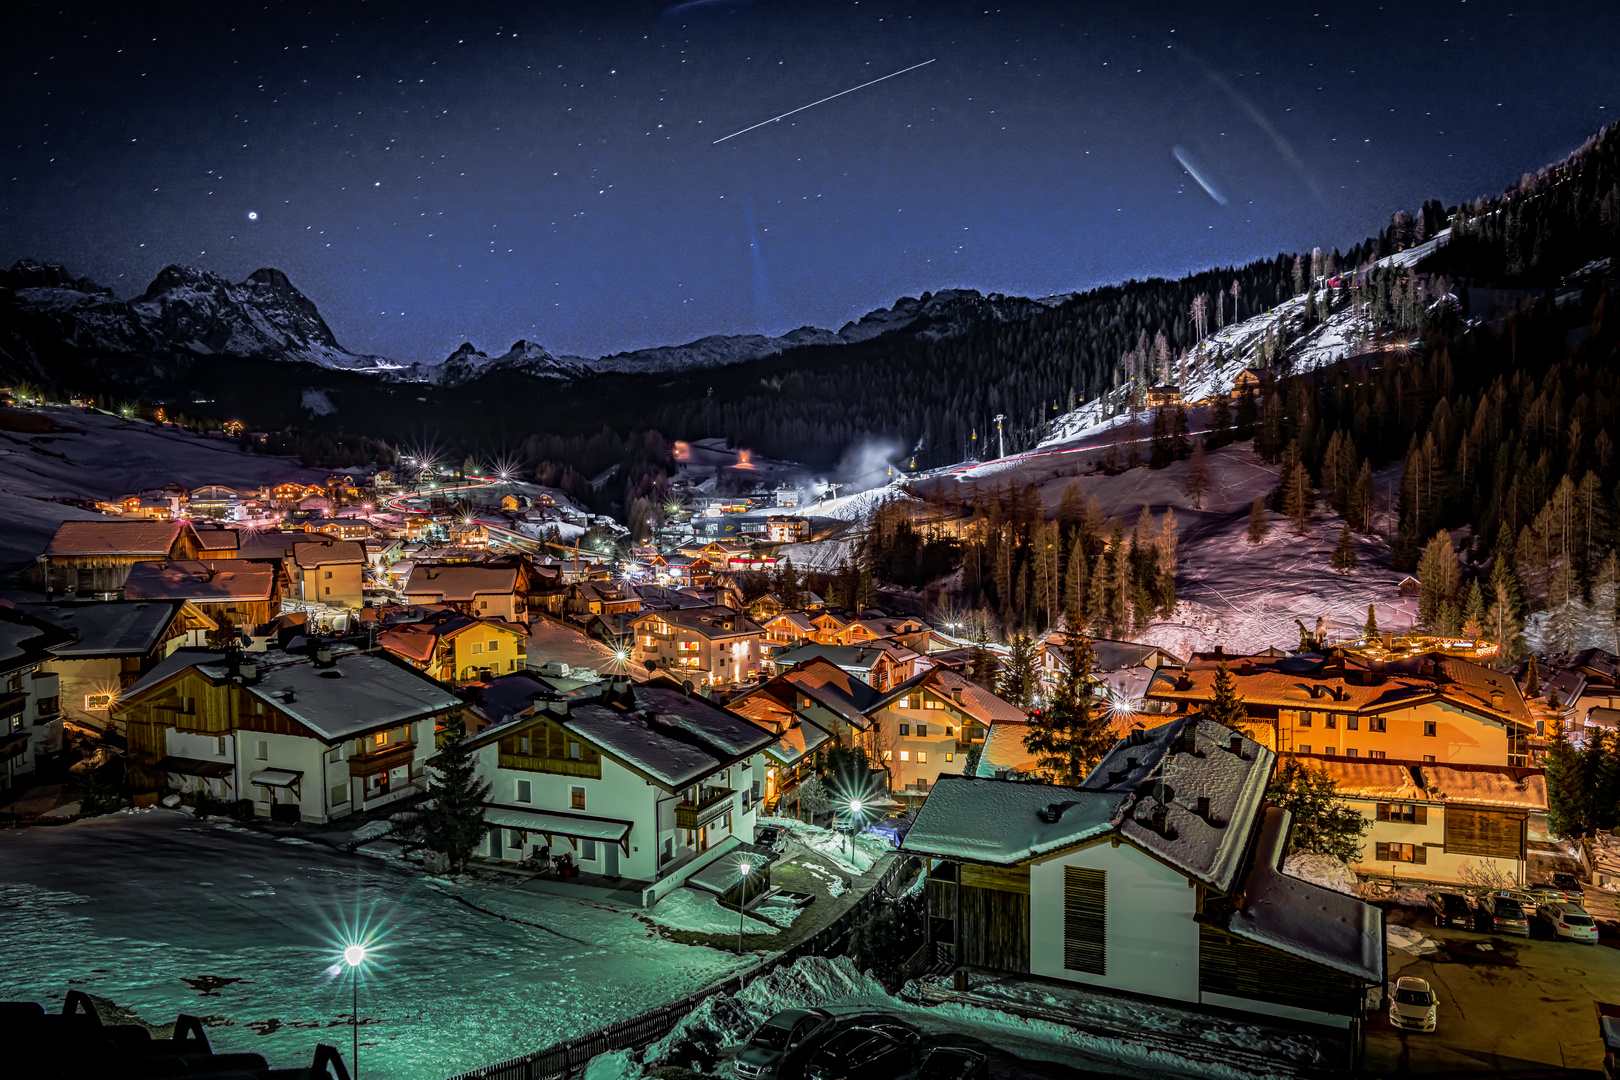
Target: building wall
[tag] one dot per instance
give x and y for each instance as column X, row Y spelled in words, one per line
column 1460, row 735
column 1439, row 864
column 1152, row 940
column 499, row 649
column 903, row 753
column 38, row 719
column 342, row 587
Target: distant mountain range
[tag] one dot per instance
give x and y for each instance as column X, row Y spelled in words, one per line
column 49, row 318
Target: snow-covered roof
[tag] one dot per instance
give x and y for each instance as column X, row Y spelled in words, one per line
column 834, row 688
column 25, row 639
column 1305, row 920
column 558, row 823
column 1003, row 749
column 201, row 581
column 797, row 742
column 670, row 737
column 1369, row 779
column 962, row 692
column 460, row 582
column 1487, row 785
column 218, row 539
column 108, row 628
column 357, row 693
column 168, row 667
column 114, row 537
column 1003, row 822
column 1175, row 764
column 328, row 552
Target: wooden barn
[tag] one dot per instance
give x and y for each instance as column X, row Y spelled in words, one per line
column 96, row 556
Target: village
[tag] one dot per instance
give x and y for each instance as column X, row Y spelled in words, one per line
column 680, row 728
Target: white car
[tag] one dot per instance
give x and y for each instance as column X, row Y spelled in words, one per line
column 1412, row 1007
column 1571, row 921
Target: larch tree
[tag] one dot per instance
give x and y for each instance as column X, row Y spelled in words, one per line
column 1197, row 475
column 1344, row 553
column 1017, row 681
column 1259, row 521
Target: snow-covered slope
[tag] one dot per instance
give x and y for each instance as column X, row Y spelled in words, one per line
column 1214, row 363
column 467, row 363
column 184, row 311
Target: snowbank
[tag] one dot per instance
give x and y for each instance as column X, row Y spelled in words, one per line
column 701, row 913
column 1323, row 870
column 1406, row 939
column 853, row 855
column 616, row 1065
column 729, row 1020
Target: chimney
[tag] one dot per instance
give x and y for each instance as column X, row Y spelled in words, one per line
column 1220, row 651
column 1246, row 668
column 1159, row 819
column 1163, row 792
column 288, row 696
column 1131, row 764
column 250, row 673
column 1201, row 807
column 1235, row 745
column 1051, row 812
column 1117, row 776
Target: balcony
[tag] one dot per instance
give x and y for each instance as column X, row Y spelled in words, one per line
column 384, row 760
column 12, row 704
column 690, row 815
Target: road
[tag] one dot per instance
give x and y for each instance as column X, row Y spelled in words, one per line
column 1507, row 1005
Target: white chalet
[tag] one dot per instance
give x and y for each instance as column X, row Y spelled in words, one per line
column 646, row 783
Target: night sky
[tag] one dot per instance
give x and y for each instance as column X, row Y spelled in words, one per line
column 430, row 174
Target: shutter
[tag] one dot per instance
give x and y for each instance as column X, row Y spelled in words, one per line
column 1085, row 920
column 1383, row 811
column 1490, row 833
column 1381, row 852
column 1420, row 814
column 1420, row 854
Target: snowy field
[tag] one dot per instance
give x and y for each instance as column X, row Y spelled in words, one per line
column 166, row 915
column 99, row 457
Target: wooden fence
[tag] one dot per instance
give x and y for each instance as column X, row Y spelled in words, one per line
column 561, row 1060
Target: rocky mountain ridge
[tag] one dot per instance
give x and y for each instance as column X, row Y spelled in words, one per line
column 47, row 314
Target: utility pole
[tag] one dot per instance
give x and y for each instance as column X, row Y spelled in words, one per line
column 1001, row 440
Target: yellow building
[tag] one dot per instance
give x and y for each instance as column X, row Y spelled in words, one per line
column 1429, row 708
column 453, row 647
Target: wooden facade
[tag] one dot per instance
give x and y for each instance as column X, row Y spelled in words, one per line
column 543, row 746
column 1497, row 834
column 982, row 912
column 1239, row 968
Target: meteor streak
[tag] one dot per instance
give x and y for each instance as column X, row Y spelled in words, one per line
column 823, row 101
column 1204, row 182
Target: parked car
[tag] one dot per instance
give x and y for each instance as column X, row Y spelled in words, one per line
column 892, row 828
column 787, row 1035
column 1571, row 921
column 1543, row 893
column 954, row 1063
column 771, row 836
column 1508, row 917
column 1573, row 890
column 1412, row 1006
column 1451, row 909
column 875, row 1051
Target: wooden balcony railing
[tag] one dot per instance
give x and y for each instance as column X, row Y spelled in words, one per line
column 690, row 815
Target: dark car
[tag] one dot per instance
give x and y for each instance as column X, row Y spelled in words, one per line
column 1451, row 909
column 1508, row 917
column 785, row 1036
column 771, row 836
column 892, row 828
column 954, row 1063
column 1571, row 886
column 876, row 1051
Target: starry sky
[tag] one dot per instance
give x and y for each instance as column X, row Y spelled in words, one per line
column 436, row 173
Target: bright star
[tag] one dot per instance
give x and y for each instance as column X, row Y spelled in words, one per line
column 253, row 215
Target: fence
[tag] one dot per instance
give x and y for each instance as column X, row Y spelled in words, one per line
column 559, row 1061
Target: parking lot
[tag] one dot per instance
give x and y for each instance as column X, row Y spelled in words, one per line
column 1505, row 1004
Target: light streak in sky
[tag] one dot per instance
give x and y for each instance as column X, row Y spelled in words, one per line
column 823, row 101
column 1197, row 174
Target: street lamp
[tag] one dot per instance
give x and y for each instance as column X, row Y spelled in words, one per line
column 849, row 838
column 354, row 956
column 742, row 901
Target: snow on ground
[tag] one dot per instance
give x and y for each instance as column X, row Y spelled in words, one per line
column 1409, row 940
column 835, row 883
column 853, row 855
column 100, row 457
column 1323, row 870
column 1577, row 625
column 701, row 913
column 1342, row 335
column 779, row 910
column 453, row 986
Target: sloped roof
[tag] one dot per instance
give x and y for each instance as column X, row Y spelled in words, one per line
column 974, row 700
column 218, row 539
column 1368, row 778
column 109, row 628
column 711, row 621
column 669, row 737
column 834, row 688
column 1487, row 785
column 358, row 693
column 201, row 581
column 328, row 552
column 999, row 822
column 1004, row 750
column 460, row 582
column 1330, row 928
column 798, row 741
column 26, row 640
column 114, row 537
column 271, row 544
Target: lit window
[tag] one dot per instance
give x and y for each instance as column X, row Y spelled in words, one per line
column 922, row 757
column 888, row 755
column 1376, row 755
column 949, row 756
column 905, row 755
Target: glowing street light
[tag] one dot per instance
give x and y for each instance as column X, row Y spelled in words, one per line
column 742, row 900
column 354, row 956
column 849, row 838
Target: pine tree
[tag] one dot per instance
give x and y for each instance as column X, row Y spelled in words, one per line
column 1226, row 707
column 1567, row 789
column 1344, row 553
column 1322, row 822
column 1017, row 682
column 454, row 826
column 787, row 584
column 1296, row 496
column 1259, row 522
column 1076, row 586
column 1197, row 475
column 1370, row 630
column 1072, row 734
column 1473, row 613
